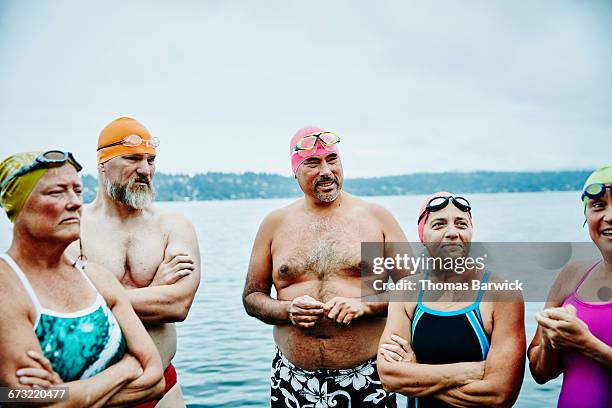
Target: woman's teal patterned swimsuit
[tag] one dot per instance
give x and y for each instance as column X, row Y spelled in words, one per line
column 81, row 344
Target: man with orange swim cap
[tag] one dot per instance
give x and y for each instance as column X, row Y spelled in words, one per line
column 326, row 336
column 154, row 254
column 112, row 140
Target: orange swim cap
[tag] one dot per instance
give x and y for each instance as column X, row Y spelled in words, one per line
column 118, row 130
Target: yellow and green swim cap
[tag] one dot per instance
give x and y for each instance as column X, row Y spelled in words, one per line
column 16, row 188
column 602, row 175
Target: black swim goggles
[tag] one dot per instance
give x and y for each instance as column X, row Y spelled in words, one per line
column 51, row 158
column 596, row 190
column 440, row 202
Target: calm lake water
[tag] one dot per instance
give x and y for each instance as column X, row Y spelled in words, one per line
column 224, row 356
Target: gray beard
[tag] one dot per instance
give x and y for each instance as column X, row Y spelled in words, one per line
column 137, row 197
column 327, row 197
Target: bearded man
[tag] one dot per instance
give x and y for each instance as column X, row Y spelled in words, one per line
column 153, row 253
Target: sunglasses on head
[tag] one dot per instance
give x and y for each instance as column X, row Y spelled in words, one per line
column 440, row 202
column 48, row 159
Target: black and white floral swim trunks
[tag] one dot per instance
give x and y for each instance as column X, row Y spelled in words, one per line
column 293, row 387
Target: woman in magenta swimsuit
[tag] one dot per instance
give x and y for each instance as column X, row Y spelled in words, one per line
column 574, row 334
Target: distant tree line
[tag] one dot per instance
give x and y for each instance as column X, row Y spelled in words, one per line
column 232, row 186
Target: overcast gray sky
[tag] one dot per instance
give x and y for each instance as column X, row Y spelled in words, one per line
column 409, row 86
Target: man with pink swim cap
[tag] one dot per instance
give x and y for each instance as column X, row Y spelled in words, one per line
column 326, row 336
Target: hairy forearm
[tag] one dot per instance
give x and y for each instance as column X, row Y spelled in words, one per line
column 544, row 363
column 262, row 306
column 419, row 380
column 159, row 304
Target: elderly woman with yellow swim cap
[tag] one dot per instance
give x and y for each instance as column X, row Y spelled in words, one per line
column 62, row 325
column 574, row 334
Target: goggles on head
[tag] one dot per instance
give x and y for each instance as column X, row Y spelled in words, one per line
column 438, row 203
column 595, row 190
column 309, row 142
column 50, row 158
column 133, row 141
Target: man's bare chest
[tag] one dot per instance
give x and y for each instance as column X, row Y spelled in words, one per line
column 132, row 256
column 322, row 251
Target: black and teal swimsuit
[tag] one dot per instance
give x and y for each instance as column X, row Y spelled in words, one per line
column 440, row 337
column 78, row 344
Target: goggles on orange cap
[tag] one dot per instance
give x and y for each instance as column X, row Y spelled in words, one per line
column 133, row 141
column 309, row 142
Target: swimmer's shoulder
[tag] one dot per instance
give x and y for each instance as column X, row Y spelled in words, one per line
column 8, row 279
column 568, row 279
column 495, row 297
column 277, row 217
column 379, row 211
column 408, row 298
column 15, row 298
column 373, row 209
column 5, row 271
column 169, row 219
column 105, row 282
column 355, row 203
column 172, row 223
column 388, row 224
column 493, row 277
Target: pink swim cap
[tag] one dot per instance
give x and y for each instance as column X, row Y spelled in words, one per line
column 319, row 150
column 423, row 209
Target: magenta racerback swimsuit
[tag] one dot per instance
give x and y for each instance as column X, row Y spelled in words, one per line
column 587, row 383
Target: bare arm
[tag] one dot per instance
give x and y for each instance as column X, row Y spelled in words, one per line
column 544, row 362
column 171, row 303
column 543, row 359
column 150, row 384
column 17, row 338
column 394, row 238
column 504, row 364
column 395, row 242
column 407, row 376
column 563, row 330
column 256, row 295
column 599, row 351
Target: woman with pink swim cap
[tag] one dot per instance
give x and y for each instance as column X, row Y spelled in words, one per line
column 574, row 334
column 442, row 352
column 438, row 201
